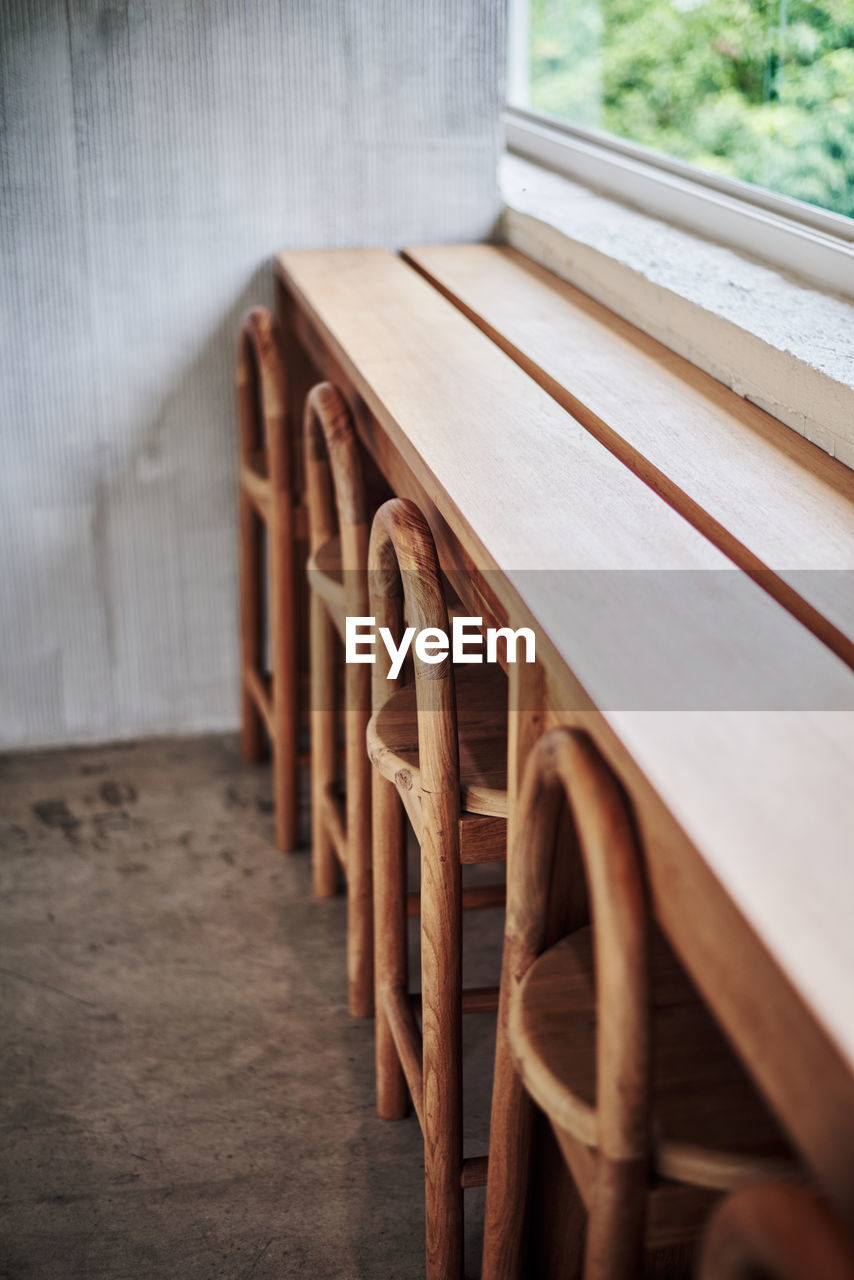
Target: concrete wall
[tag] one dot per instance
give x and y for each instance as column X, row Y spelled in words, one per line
column 155, row 155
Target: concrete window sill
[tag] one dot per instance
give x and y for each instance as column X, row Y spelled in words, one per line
column 784, row 345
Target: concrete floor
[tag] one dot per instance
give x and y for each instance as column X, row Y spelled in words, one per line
column 184, row 1092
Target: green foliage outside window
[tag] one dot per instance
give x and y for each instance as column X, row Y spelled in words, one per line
column 761, row 90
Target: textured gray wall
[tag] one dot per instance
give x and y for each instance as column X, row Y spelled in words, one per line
column 155, row 155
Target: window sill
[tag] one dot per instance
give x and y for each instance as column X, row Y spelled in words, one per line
column 781, row 344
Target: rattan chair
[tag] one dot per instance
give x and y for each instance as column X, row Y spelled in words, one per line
column 268, row 701
column 775, row 1231
column 604, row 1032
column 337, row 575
column 438, row 743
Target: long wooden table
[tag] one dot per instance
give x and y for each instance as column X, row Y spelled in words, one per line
column 744, row 800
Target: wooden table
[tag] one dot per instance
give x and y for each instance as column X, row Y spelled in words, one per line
column 747, row 814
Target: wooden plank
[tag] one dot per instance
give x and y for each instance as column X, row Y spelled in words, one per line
column 777, row 504
column 747, row 814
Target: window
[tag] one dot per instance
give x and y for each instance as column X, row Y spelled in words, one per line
column 728, row 101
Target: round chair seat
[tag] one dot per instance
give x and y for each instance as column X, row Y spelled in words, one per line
column 710, row 1126
column 481, row 693
column 324, row 569
column 326, row 577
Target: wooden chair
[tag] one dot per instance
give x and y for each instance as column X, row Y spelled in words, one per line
column 775, row 1231
column 604, row 1032
column 268, row 702
column 439, row 748
column 337, row 573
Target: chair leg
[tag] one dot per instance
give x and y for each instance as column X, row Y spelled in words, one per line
column 324, row 868
column 510, row 1132
column 391, row 970
column 615, row 1227
column 441, row 995
column 251, row 629
column 360, row 911
column 283, row 624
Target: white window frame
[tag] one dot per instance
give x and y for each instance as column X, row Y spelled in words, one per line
column 798, row 238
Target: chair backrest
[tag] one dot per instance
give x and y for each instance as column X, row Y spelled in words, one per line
column 405, row 586
column 335, row 487
column 565, row 768
column 261, row 395
column 775, row 1231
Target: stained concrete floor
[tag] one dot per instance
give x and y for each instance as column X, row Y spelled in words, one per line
column 184, row 1092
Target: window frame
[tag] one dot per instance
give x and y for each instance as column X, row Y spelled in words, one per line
column 798, row 238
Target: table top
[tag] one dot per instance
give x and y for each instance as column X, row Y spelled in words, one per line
column 757, row 770
column 761, row 492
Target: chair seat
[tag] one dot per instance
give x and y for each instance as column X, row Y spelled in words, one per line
column 259, row 464
column 326, row 577
column 710, row 1127
column 324, row 567
column 481, row 693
